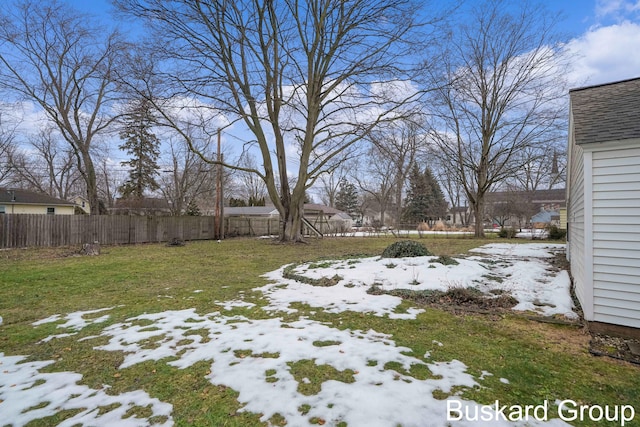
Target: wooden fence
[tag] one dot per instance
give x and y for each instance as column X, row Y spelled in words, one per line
column 17, row 231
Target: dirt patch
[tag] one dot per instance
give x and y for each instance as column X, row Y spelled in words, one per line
column 456, row 298
column 618, row 348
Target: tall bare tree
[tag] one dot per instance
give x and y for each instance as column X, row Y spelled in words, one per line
column 377, row 180
column 307, row 78
column 7, row 150
column 63, row 62
column 505, row 80
column 249, row 185
column 543, row 168
column 48, row 167
column 328, row 183
column 400, row 142
column 187, row 178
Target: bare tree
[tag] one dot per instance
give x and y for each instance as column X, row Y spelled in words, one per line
column 505, row 82
column 48, row 167
column 63, row 62
column 250, row 186
column 7, row 150
column 328, row 183
column 543, row 168
column 377, row 180
column 187, row 178
column 307, row 78
column 109, row 178
column 400, row 143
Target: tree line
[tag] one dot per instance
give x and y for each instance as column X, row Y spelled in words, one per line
column 390, row 96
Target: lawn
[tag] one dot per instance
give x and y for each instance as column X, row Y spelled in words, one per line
column 155, row 324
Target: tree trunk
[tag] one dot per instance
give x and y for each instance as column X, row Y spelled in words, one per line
column 91, row 182
column 478, row 213
column 291, row 224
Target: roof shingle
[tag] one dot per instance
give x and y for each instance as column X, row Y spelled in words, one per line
column 608, row 112
column 18, row 196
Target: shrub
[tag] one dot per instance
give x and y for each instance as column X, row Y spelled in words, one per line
column 405, row 248
column 556, row 233
column 445, row 260
column 507, row 233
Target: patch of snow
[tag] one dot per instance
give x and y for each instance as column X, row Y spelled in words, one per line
column 532, row 250
column 26, row 394
column 519, row 269
column 230, row 305
column 75, row 322
column 373, row 396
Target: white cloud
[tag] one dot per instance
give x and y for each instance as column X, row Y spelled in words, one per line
column 605, row 54
column 617, row 9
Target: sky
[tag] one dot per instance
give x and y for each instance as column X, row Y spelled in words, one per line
column 32, row 389
column 601, row 33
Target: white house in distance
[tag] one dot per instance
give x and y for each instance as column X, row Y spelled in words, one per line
column 603, row 204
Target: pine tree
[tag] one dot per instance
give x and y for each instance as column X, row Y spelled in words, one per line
column 436, row 203
column 143, row 147
column 193, row 209
column 347, row 198
column 425, row 201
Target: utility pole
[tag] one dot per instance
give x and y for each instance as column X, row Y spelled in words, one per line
column 218, row 210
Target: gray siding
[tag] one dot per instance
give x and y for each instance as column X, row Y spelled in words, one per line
column 616, row 236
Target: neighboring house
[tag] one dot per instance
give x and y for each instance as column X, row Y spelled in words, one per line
column 323, row 218
column 545, row 217
column 603, row 207
column 519, row 208
column 16, row 201
column 82, row 204
column 327, row 219
column 143, row 206
column 251, row 211
column 459, row 216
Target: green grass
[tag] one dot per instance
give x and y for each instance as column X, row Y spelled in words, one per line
column 541, row 361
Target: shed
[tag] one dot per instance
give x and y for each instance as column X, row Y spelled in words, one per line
column 18, row 201
column 603, row 204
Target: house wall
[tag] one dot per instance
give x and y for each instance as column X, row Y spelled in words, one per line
column 575, row 226
column 37, row 209
column 616, row 234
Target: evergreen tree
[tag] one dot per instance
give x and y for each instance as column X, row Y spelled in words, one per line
column 347, row 198
column 425, row 201
column 193, row 209
column 143, row 147
column 256, row 201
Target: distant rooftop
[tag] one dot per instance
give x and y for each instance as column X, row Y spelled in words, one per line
column 607, row 112
column 26, row 197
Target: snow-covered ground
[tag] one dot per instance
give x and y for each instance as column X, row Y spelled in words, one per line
column 254, row 356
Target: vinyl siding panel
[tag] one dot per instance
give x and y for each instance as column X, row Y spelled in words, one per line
column 617, row 319
column 617, row 297
column 575, row 224
column 616, row 236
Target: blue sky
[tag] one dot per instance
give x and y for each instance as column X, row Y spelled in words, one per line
column 601, row 33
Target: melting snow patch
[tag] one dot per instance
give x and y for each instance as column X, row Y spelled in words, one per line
column 519, row 269
column 272, row 345
column 74, row 322
column 26, row 394
column 230, row 305
column 533, row 250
